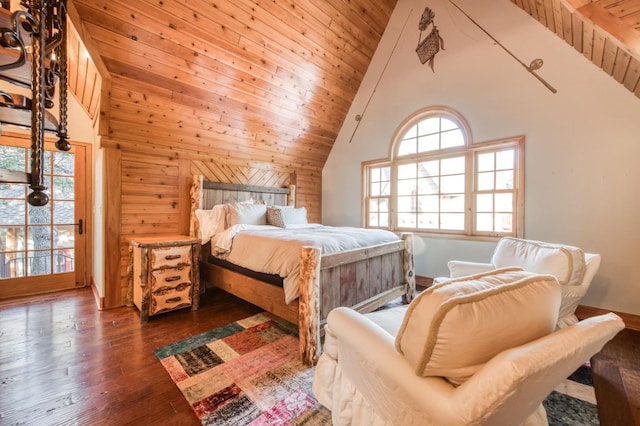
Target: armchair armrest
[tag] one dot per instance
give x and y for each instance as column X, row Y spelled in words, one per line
column 369, row 363
column 461, row 268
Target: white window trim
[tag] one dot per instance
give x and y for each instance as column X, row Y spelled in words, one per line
column 470, row 149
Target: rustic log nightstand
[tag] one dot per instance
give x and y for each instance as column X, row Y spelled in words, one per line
column 163, row 274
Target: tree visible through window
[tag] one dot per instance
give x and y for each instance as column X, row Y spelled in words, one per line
column 439, row 181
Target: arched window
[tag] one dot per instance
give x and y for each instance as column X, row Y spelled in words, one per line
column 438, row 180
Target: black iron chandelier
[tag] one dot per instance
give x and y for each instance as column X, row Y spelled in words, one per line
column 39, row 36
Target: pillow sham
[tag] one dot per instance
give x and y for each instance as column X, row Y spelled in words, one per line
column 247, row 214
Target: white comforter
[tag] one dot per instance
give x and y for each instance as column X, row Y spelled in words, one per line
column 274, row 250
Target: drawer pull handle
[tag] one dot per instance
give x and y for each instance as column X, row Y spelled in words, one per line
column 174, row 278
column 172, row 257
column 174, row 300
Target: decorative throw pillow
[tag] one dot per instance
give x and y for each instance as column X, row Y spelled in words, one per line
column 274, row 216
column 452, row 328
column 566, row 263
column 250, row 214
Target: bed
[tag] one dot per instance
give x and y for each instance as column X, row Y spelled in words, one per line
column 364, row 278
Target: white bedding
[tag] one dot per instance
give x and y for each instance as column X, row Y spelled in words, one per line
column 274, row 250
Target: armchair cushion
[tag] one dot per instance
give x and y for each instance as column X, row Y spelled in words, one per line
column 454, row 327
column 566, row 263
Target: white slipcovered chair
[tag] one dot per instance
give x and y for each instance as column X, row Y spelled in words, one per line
column 573, row 268
column 478, row 350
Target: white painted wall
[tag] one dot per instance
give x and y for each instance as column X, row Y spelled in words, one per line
column 582, row 143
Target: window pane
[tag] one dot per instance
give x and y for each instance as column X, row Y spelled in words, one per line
column 384, row 219
column 503, row 222
column 428, row 221
column 429, row 143
column 428, row 186
column 447, row 124
column 373, row 205
column 12, row 158
column 453, row 221
column 452, row 138
column 63, row 212
column 63, row 260
column 11, row 239
column 504, row 203
column 452, row 184
column 39, row 263
column 429, row 203
column 411, row 133
column 484, row 222
column 373, row 219
column 484, row 203
column 406, row 220
column 407, row 187
column 63, row 236
column 63, row 163
column 408, row 147
column 407, row 171
column 9, row 190
column 407, row 204
column 505, row 159
column 452, row 203
column 430, row 168
column 12, row 212
column 374, row 190
column 504, row 179
column 383, row 205
column 13, row 266
column 374, row 174
column 485, row 181
column 39, row 237
column 385, row 188
column 452, row 166
column 429, row 126
column 486, row 162
column 63, row 188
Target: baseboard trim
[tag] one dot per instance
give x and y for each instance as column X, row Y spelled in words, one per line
column 96, row 295
column 630, row 321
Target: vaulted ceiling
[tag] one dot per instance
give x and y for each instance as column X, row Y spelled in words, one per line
column 272, row 81
column 243, row 80
column 607, row 32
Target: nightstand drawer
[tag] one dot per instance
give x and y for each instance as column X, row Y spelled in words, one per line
column 170, row 278
column 170, row 298
column 168, row 257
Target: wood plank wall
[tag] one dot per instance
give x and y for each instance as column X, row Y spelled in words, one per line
column 243, row 91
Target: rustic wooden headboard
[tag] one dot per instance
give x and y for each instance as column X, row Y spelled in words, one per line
column 206, row 194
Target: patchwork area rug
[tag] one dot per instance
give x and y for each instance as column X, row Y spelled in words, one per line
column 248, row 373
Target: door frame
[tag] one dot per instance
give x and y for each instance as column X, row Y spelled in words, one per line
column 83, row 271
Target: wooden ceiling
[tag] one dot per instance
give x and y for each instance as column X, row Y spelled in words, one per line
column 607, row 32
column 247, row 80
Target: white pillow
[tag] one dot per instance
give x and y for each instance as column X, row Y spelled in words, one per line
column 249, row 214
column 211, row 222
column 566, row 263
column 452, row 328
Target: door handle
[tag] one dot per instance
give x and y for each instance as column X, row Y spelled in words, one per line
column 79, row 224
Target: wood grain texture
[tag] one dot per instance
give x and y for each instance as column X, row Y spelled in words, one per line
column 224, row 89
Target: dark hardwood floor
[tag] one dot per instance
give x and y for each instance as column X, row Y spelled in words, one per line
column 63, row 362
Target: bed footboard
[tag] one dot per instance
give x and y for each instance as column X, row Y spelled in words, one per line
column 363, row 279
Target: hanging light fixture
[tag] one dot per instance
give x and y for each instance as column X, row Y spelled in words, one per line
column 39, row 36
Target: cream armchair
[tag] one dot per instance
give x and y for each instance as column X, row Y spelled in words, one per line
column 573, row 268
column 470, row 352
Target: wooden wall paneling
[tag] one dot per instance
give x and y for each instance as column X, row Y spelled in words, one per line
column 633, row 75
column 112, row 221
column 621, row 65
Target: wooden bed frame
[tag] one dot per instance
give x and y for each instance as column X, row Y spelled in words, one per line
column 363, row 279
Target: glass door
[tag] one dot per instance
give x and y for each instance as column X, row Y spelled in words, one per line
column 43, row 249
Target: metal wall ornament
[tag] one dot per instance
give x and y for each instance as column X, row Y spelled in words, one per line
column 432, row 43
column 44, row 24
